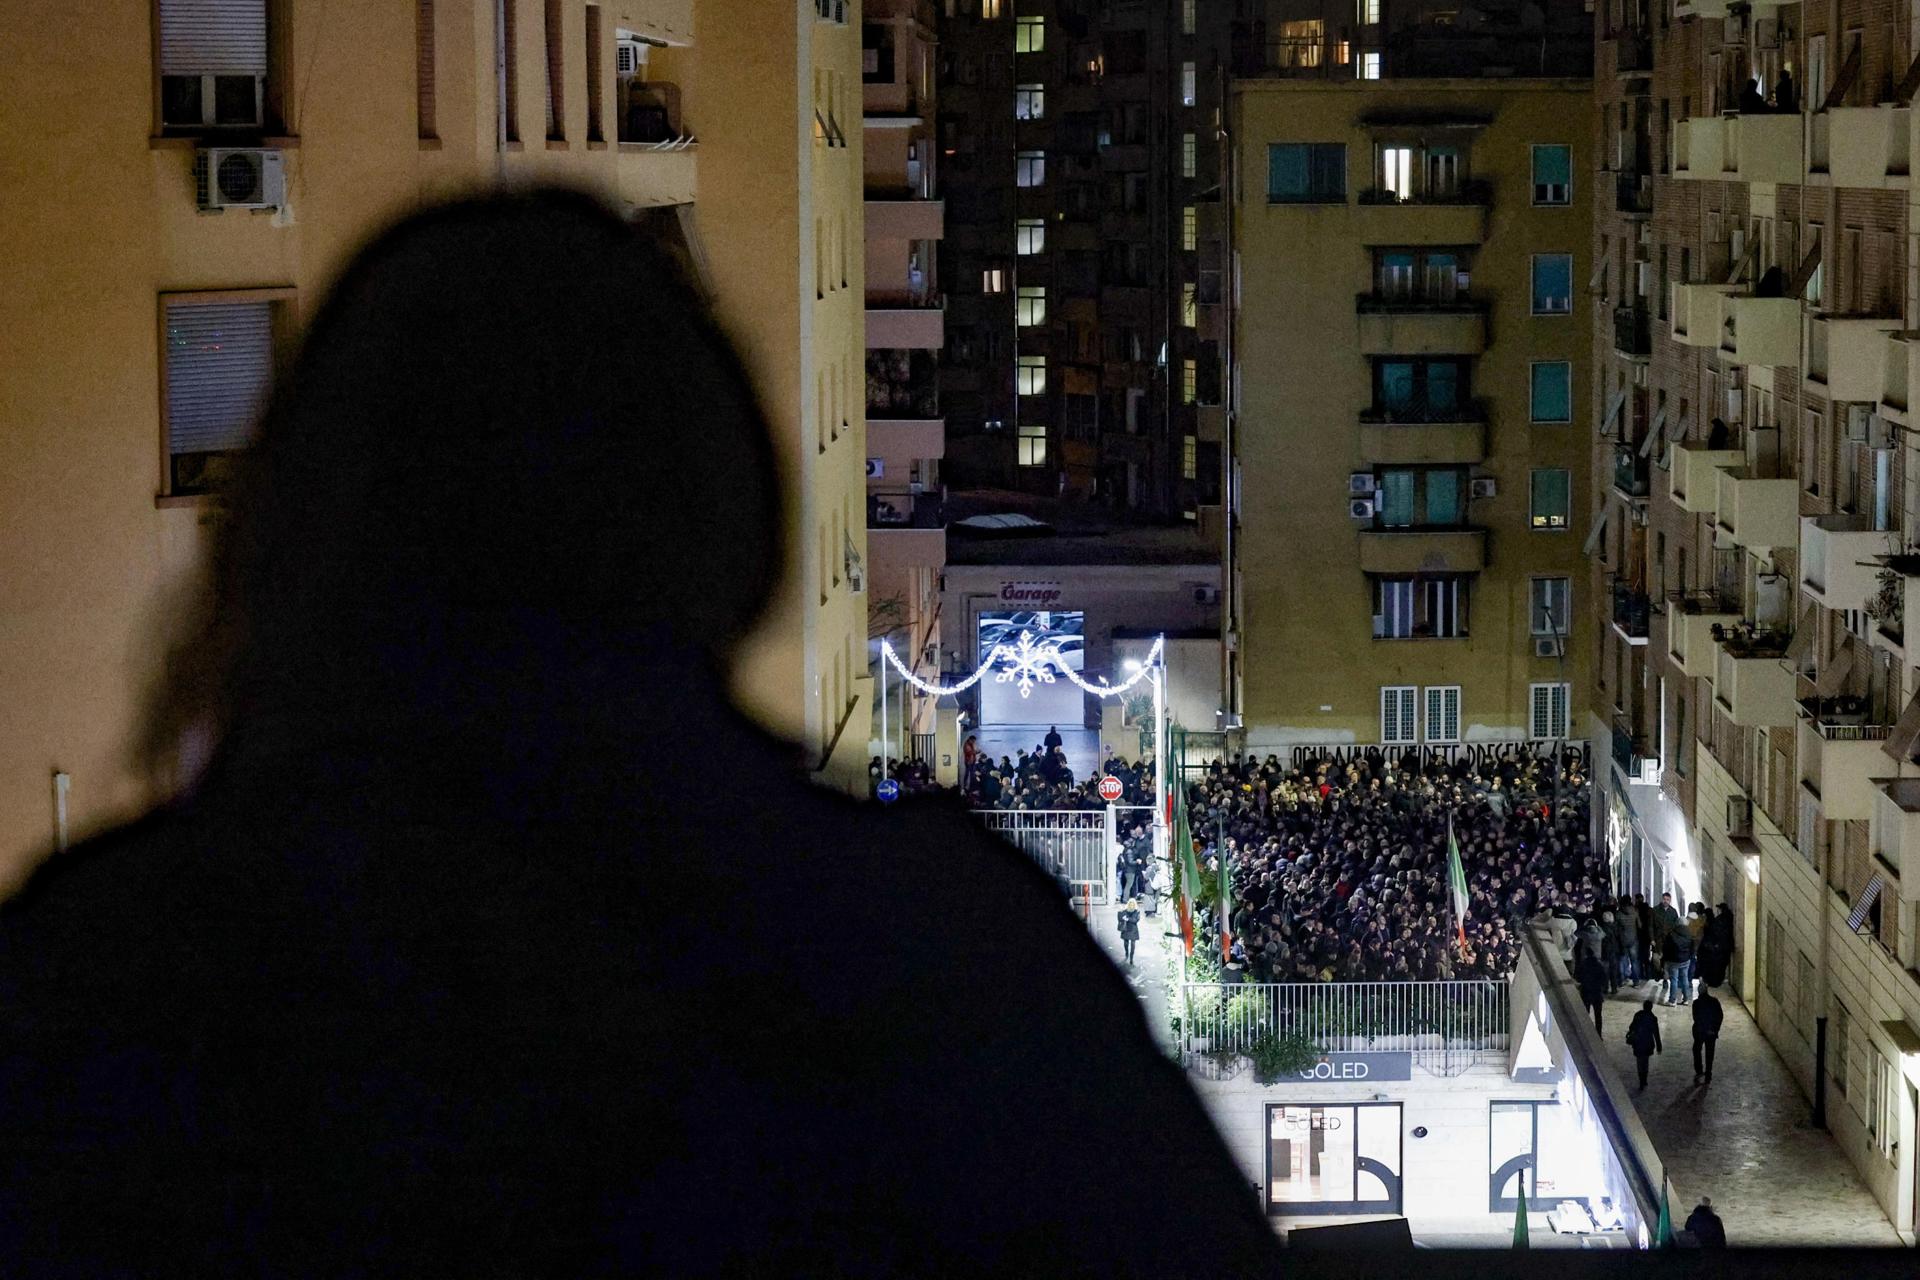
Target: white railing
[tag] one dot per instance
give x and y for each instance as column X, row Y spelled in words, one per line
column 1072, row 845
column 1446, row 1026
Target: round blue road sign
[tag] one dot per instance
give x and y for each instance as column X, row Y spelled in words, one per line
column 888, row 791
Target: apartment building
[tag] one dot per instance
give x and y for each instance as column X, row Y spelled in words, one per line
column 187, row 176
column 1753, row 297
column 1405, row 465
column 905, row 332
column 1078, row 145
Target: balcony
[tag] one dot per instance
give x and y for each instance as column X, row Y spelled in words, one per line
column 1633, row 194
column 1757, row 512
column 1848, row 355
column 1895, row 831
column 1839, row 753
column 1631, row 611
column 1412, row 327
column 1699, row 312
column 1436, row 443
column 1840, row 559
column 1862, row 146
column 1632, row 333
column 1764, row 331
column 906, row 219
column 1425, row 222
column 1751, row 682
column 1692, row 618
column 1896, row 376
column 1404, row 551
column 922, row 328
column 1632, row 55
column 1737, row 148
column 1694, row 481
column 905, row 509
column 1700, row 9
column 1631, row 473
column 1699, row 148
column 903, row 384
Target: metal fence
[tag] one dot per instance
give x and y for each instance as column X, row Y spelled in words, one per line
column 1071, row 844
column 1447, row 1026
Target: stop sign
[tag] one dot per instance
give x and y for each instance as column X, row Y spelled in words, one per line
column 1111, row 789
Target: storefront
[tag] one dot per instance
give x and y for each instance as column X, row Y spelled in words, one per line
column 1334, row 1157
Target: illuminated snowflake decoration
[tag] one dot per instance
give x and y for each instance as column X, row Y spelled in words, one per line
column 1031, row 663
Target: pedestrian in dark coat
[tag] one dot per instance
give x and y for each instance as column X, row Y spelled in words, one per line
column 1610, row 950
column 1716, row 948
column 1591, row 973
column 1707, row 1017
column 1627, row 920
column 1130, row 926
column 1705, row 1225
column 1643, row 1034
column 1644, row 952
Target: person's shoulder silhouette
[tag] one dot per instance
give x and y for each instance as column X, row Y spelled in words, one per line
column 492, row 940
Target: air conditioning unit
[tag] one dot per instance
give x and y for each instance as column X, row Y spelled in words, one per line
column 1206, row 595
column 629, row 57
column 1739, row 818
column 240, row 178
column 1483, row 487
column 1361, row 484
column 1549, row 646
column 1643, row 769
column 1360, row 509
column 876, row 468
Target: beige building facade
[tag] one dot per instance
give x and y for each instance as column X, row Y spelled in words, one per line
column 183, row 179
column 1403, row 465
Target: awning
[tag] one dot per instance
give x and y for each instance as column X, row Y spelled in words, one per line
column 1746, row 260
column 1801, row 646
column 1599, row 530
column 1600, row 268
column 1868, row 896
column 1899, row 743
column 1836, row 673
column 1684, row 423
column 1653, row 433
column 1804, row 272
column 1614, row 407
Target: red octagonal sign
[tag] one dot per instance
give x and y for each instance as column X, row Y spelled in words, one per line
column 1111, row 789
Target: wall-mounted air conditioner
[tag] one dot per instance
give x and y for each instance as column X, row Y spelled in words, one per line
column 239, row 178
column 876, row 468
column 1484, row 487
column 1360, row 509
column 1360, row 484
column 629, row 57
column 1206, row 595
column 1549, row 646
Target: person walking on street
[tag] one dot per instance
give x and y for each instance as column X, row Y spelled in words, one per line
column 1707, row 1017
column 1591, row 974
column 1130, row 927
column 1676, row 951
column 1628, row 921
column 1716, row 948
column 1643, row 953
column 1665, row 916
column 1705, row 1225
column 1643, row 1034
column 1610, row 950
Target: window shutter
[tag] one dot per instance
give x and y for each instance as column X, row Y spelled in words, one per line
column 213, row 37
column 219, row 363
column 1553, row 165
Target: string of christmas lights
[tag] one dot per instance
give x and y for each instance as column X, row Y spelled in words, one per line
column 1031, row 664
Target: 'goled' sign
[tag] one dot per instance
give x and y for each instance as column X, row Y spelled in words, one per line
column 1355, row 1068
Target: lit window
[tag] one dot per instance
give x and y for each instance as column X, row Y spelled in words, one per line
column 1552, row 391
column 1189, row 229
column 1189, row 456
column 1186, row 17
column 1030, row 102
column 1189, row 154
column 1029, row 236
column 1189, row 310
column 1550, row 497
column 1552, row 284
column 1369, row 66
column 1366, row 12
column 1033, row 445
column 1396, row 171
column 1030, row 305
column 1553, row 174
column 989, row 9
column 1029, row 34
column 1030, row 377
column 993, row 280
column 1030, row 168
column 1188, row 84
column 1189, row 380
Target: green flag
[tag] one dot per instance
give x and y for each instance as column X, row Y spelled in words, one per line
column 1520, row 1216
column 1185, row 864
column 1456, row 883
column 1663, row 1230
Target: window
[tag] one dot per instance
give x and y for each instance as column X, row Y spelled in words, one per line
column 1189, row 305
column 1189, row 381
column 1776, row 948
column 1366, row 12
column 1549, row 497
column 1443, row 713
column 1029, row 34
column 990, row 9
column 1188, row 85
column 1842, row 1031
column 1420, row 608
column 1552, row 392
column 1883, row 1106
column 1334, row 1157
column 1030, row 102
column 1030, row 236
column 1306, row 172
column 1186, row 17
column 423, row 66
column 1429, row 497
column 1397, row 714
column 1535, row 1148
column 1189, row 229
column 1030, row 376
column 1030, row 305
column 213, row 64
column 1030, row 168
column 1395, row 171
column 1548, row 611
column 1369, row 66
column 556, row 73
column 1547, row 710
column 507, row 59
column 217, row 366
column 1189, row 457
column 993, row 280
column 1552, row 284
column 1189, row 155
column 1033, row 445
column 1419, row 390
column 1553, row 174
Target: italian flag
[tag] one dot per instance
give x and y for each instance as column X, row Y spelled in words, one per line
column 1456, row 883
column 1225, row 906
column 1184, row 862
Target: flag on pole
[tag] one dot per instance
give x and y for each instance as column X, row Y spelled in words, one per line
column 1456, row 883
column 1189, row 867
column 1663, row 1230
column 1226, row 905
column 1520, row 1216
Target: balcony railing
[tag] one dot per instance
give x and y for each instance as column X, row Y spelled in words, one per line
column 903, row 384
column 1472, row 191
column 1446, row 1026
column 1377, row 303
column 1632, row 331
column 1844, row 718
column 906, row 510
column 1744, row 641
column 1630, row 610
column 1631, row 472
column 650, row 116
column 1633, row 193
column 1415, row 412
column 1629, row 748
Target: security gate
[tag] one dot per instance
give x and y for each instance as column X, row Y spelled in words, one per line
column 1072, row 845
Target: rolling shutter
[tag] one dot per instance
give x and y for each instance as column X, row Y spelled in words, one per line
column 213, row 37
column 219, row 363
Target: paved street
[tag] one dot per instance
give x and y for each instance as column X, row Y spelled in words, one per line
column 1744, row 1139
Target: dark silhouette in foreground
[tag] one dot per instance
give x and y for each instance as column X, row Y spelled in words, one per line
column 493, row 941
